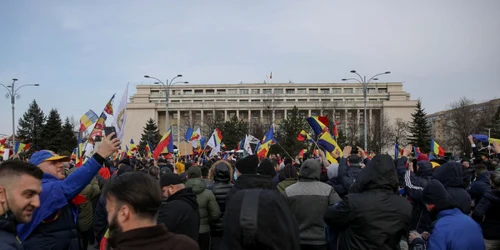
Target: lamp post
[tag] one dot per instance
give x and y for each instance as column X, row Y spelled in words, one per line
column 12, row 92
column 364, row 82
column 166, row 86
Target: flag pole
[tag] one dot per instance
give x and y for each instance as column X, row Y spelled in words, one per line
column 283, row 149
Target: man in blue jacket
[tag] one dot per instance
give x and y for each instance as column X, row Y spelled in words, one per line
column 54, row 224
column 453, row 230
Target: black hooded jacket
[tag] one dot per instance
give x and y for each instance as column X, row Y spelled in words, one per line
column 479, row 187
column 250, row 181
column 486, row 213
column 451, row 175
column 375, row 216
column 221, row 187
column 275, row 226
column 8, row 232
column 180, row 213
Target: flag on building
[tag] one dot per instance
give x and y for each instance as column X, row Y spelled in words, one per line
column 121, row 115
column 89, row 118
column 109, row 106
column 436, row 149
column 166, row 142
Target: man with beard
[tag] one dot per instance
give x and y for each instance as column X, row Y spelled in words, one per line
column 20, row 186
column 179, row 209
column 132, row 203
column 54, row 223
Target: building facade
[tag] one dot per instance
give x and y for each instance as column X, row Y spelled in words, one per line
column 198, row 105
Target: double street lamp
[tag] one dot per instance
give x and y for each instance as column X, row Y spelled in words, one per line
column 12, row 93
column 364, row 82
column 166, row 85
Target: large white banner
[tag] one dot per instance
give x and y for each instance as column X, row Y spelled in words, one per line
column 121, row 115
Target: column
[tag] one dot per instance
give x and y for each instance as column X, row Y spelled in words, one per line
column 309, row 114
column 333, row 115
column 345, row 117
column 225, row 115
column 178, row 126
column 238, row 114
column 357, row 117
column 285, row 116
column 274, row 116
column 370, row 117
column 191, row 118
column 201, row 117
column 261, row 116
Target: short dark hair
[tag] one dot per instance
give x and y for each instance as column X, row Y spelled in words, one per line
column 288, row 172
column 204, row 171
column 480, row 169
column 139, row 190
column 17, row 168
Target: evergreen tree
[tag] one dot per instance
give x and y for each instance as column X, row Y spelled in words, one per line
column 52, row 138
column 29, row 129
column 288, row 130
column 494, row 125
column 69, row 140
column 420, row 134
column 341, row 140
column 233, row 131
column 151, row 134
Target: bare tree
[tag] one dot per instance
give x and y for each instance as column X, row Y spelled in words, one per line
column 464, row 119
column 352, row 134
column 400, row 131
column 269, row 105
column 188, row 122
column 381, row 134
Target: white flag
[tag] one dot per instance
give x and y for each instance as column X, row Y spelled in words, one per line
column 211, row 142
column 121, row 115
column 215, row 150
column 246, row 146
column 251, row 139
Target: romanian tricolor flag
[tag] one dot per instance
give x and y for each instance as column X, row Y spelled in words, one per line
column 21, row 147
column 436, row 149
column 78, row 152
column 398, row 151
column 99, row 125
column 317, row 126
column 133, row 147
column 303, row 135
column 191, row 135
column 87, row 119
column 109, row 107
column 166, row 142
column 128, row 152
column 2, row 141
column 240, row 145
column 148, row 148
column 328, row 143
column 269, row 136
column 263, row 149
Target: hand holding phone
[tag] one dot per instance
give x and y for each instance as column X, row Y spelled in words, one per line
column 109, row 130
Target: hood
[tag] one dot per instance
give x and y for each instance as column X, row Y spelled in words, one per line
column 378, row 174
column 187, row 195
column 222, row 171
column 424, row 169
column 249, row 181
column 450, row 174
column 197, row 184
column 435, row 193
column 493, row 196
column 310, row 169
column 333, row 170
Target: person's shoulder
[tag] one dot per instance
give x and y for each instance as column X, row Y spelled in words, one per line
column 8, row 241
column 182, row 242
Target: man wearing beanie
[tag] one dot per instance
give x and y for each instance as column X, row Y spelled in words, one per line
column 179, row 208
column 347, row 174
column 308, row 200
column 207, row 205
column 247, row 176
column 453, row 229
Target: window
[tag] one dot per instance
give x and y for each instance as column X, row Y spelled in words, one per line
column 197, row 115
column 313, row 91
column 325, row 100
column 336, row 90
column 267, row 91
column 359, row 90
column 197, row 100
column 302, row 100
column 314, row 113
column 371, row 91
column 244, row 91
column 348, row 91
column 211, row 100
column 175, row 101
column 290, row 91
column 198, row 91
column 176, row 92
column 278, row 100
column 232, row 100
column 382, row 91
column 174, row 116
column 221, row 91
column 187, row 92
column 314, row 100
column 279, row 115
column 232, row 91
column 245, row 101
column 278, row 91
column 325, row 91
column 301, row 91
column 256, row 91
column 155, row 92
column 210, row 91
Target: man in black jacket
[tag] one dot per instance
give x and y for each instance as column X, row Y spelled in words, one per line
column 20, row 186
column 374, row 216
column 481, row 185
column 179, row 210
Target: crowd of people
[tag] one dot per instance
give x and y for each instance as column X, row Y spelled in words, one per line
column 247, row 202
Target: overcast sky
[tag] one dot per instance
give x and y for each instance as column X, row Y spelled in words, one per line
column 82, row 52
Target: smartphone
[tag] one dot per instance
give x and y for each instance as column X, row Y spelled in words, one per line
column 109, row 130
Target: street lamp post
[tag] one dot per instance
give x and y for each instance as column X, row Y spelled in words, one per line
column 364, row 82
column 166, row 86
column 12, row 92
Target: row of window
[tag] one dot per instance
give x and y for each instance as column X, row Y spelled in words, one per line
column 271, row 100
column 290, row 91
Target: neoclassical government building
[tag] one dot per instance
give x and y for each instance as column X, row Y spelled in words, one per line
column 195, row 105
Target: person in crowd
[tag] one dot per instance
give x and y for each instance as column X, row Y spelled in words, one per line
column 309, row 190
column 373, row 216
column 221, row 173
column 415, row 178
column 468, row 172
column 287, row 176
column 246, row 176
column 486, row 213
column 154, row 172
column 204, row 175
column 132, row 202
column 481, row 185
column 86, row 210
column 348, row 173
column 54, row 223
column 451, row 175
column 179, row 209
column 257, row 219
column 20, row 187
column 453, row 229
column 180, row 167
column 207, row 205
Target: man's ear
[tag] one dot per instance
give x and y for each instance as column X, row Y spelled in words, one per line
column 3, row 197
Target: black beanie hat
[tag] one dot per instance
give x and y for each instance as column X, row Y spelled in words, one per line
column 266, row 167
column 248, row 165
column 170, row 179
column 435, row 194
column 193, row 172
